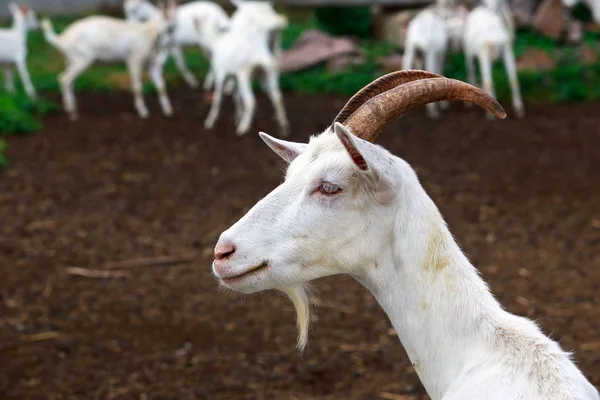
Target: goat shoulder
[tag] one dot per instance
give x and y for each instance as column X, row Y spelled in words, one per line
column 520, row 362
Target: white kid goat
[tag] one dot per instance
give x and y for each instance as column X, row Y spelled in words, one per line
column 241, row 51
column 13, row 47
column 274, row 43
column 431, row 32
column 106, row 39
column 348, row 206
column 488, row 35
column 214, row 20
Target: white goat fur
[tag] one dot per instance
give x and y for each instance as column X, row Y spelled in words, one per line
column 383, row 229
column 212, row 20
column 13, row 47
column 240, row 52
column 105, row 39
column 488, row 35
column 431, row 32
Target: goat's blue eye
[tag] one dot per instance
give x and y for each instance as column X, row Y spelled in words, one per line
column 328, row 188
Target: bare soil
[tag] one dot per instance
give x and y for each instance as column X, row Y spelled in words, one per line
column 521, row 197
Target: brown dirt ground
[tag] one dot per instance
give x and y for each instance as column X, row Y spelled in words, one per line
column 522, row 198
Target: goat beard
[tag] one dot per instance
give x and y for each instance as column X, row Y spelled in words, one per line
column 300, row 297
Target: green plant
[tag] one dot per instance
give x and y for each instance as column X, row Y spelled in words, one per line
column 3, row 160
column 352, row 21
column 16, row 117
column 582, row 12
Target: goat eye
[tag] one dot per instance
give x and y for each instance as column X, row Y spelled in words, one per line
column 327, row 188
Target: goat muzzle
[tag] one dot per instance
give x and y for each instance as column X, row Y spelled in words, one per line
column 375, row 106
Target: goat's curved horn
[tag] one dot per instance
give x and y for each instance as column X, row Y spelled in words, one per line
column 374, row 115
column 380, row 85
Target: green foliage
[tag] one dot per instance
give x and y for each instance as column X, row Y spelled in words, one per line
column 3, row 160
column 16, row 117
column 350, row 21
column 582, row 12
column 20, row 116
column 527, row 39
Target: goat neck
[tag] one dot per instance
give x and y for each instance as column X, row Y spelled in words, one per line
column 19, row 24
column 432, row 294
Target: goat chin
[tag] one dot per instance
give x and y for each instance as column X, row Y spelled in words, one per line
column 300, row 295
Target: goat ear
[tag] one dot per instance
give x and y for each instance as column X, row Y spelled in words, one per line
column 348, row 140
column 284, row 149
column 360, row 151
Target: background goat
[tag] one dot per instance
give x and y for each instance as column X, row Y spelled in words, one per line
column 214, row 20
column 13, row 47
column 240, row 52
column 488, row 35
column 105, row 39
column 431, row 33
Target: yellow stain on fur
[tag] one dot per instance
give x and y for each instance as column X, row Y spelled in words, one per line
column 436, row 257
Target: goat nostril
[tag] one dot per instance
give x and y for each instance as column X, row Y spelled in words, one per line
column 224, row 250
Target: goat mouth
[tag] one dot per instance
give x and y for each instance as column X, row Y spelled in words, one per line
column 248, row 272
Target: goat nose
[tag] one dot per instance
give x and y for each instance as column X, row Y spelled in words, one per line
column 224, row 250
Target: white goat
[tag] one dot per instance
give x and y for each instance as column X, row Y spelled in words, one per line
column 105, row 39
column 13, row 47
column 348, row 206
column 242, row 50
column 213, row 21
column 488, row 35
column 431, row 32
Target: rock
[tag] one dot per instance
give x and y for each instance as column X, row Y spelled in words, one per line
column 523, row 12
column 390, row 63
column 535, row 60
column 315, row 47
column 548, row 19
column 342, row 62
